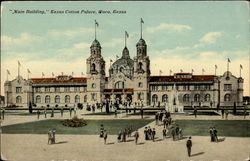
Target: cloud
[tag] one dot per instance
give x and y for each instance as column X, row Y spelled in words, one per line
column 23, row 39
column 171, row 27
column 211, row 37
column 70, row 33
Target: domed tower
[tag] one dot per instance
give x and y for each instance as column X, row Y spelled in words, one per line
column 95, row 74
column 141, row 72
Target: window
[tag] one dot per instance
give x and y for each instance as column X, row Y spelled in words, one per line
column 186, row 88
column 38, row 99
column 38, row 89
column 18, row 89
column 140, row 66
column 164, row 88
column 66, row 89
column 47, row 99
column 140, row 96
column 154, row 88
column 85, row 99
column 140, row 84
column 57, row 89
column 93, row 96
column 197, row 98
column 207, row 97
column 165, row 98
column 227, row 87
column 67, row 99
column 18, row 99
column 93, row 85
column 47, row 89
column 77, row 99
column 196, row 87
column 207, row 87
column 119, row 84
column 76, row 89
column 227, row 97
column 92, row 67
column 186, row 98
column 154, row 98
column 57, row 99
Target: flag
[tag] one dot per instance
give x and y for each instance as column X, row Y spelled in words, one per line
column 170, row 71
column 42, row 74
column 160, row 71
column 62, row 73
column 8, row 72
column 19, row 64
column 142, row 20
column 97, row 24
column 82, row 74
column 203, row 70
column 181, row 70
column 28, row 71
column 241, row 67
column 53, row 74
column 192, row 70
column 126, row 33
column 228, row 60
column 72, row 73
column 215, row 66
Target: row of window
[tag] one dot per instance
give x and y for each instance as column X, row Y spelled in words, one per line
column 186, row 98
column 58, row 89
column 178, row 87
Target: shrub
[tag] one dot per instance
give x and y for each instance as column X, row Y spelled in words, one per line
column 74, row 122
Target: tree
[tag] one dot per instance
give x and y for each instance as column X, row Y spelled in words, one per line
column 30, row 107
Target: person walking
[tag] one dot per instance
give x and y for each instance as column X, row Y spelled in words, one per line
column 189, row 146
column 195, row 112
column 153, row 134
column 173, row 133
column 215, row 134
column 164, row 133
column 149, row 133
column 156, row 118
column 211, row 134
column 222, row 113
column 38, row 114
column 245, row 112
column 0, row 113
column 50, row 137
column 136, row 136
column 3, row 113
column 226, row 112
column 124, row 136
column 119, row 136
column 105, row 137
column 146, row 133
column 101, row 131
column 62, row 112
column 53, row 135
column 45, row 113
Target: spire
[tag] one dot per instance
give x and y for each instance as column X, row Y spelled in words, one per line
column 96, row 25
column 141, row 26
column 126, row 36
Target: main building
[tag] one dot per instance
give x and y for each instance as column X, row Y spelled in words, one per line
column 128, row 80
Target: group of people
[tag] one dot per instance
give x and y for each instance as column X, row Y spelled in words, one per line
column 161, row 116
column 123, row 134
column 52, row 136
column 149, row 133
column 213, row 134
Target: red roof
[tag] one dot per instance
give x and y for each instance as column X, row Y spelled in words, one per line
column 56, row 80
column 194, row 78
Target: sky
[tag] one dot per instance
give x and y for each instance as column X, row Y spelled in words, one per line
column 179, row 36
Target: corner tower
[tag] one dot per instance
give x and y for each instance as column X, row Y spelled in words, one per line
column 141, row 72
column 95, row 73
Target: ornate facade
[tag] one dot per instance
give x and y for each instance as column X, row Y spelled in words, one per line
column 128, row 80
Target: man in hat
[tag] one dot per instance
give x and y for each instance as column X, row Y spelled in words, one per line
column 189, row 146
column 105, row 136
column 136, row 136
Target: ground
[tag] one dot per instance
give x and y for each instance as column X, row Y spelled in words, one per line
column 19, row 147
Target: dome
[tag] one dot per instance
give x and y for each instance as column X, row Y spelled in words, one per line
column 95, row 43
column 125, row 53
column 125, row 62
column 141, row 42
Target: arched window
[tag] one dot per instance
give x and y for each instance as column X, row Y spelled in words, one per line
column 38, row 99
column 207, row 97
column 227, row 97
column 57, row 99
column 140, row 66
column 47, row 99
column 196, row 98
column 77, row 99
column 121, row 69
column 67, row 99
column 93, row 67
column 119, row 84
column 85, row 99
column 140, row 84
column 18, row 99
column 165, row 98
column 154, row 98
column 93, row 85
column 140, row 96
column 186, row 98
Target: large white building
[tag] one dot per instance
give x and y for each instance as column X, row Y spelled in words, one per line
column 128, row 80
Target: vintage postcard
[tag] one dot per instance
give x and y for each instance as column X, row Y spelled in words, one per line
column 124, row 81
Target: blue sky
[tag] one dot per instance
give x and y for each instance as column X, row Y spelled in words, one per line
column 179, row 35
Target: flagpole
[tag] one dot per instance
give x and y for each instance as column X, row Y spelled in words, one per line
column 125, row 39
column 7, row 75
column 95, row 29
column 240, row 70
column 18, row 69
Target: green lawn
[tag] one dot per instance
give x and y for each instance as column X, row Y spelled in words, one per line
column 92, row 128
column 239, row 128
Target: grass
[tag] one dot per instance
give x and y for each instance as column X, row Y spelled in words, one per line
column 238, row 128
column 92, row 127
